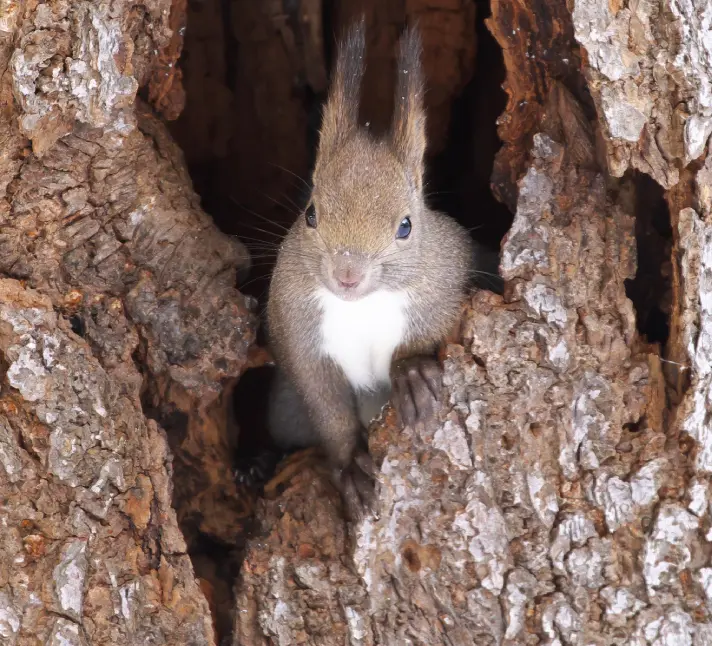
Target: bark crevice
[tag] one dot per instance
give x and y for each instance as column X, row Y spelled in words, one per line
column 563, row 498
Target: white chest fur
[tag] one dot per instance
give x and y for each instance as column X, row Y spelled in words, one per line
column 362, row 335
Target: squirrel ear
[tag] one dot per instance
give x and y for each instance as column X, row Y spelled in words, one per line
column 342, row 106
column 408, row 129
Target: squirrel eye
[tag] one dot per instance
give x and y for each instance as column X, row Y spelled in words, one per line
column 404, row 229
column 310, row 216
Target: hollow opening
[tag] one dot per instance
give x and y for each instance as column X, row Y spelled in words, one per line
column 254, row 89
column 460, row 174
column 650, row 289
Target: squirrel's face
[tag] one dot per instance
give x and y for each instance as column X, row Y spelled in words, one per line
column 365, row 220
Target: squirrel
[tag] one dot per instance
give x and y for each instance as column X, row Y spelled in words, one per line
column 368, row 280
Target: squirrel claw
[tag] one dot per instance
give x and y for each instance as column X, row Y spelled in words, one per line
column 357, row 486
column 417, row 388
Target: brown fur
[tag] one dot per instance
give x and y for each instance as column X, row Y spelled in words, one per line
column 363, row 188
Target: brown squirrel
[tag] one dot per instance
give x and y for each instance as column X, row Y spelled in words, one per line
column 366, row 274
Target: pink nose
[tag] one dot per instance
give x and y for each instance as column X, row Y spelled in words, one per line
column 348, row 284
column 348, row 277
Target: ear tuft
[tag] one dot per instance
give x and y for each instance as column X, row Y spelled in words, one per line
column 342, row 107
column 408, row 129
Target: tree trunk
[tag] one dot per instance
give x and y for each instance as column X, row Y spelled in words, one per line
column 118, row 293
column 564, row 496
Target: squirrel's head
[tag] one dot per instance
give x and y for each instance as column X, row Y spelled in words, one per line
column 367, row 212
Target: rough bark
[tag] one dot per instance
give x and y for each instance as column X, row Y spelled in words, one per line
column 539, row 51
column 517, row 516
column 648, row 67
column 91, row 550
column 99, row 223
column 564, row 496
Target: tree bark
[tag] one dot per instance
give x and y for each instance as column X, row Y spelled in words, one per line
column 564, row 496
column 117, row 301
column 91, row 550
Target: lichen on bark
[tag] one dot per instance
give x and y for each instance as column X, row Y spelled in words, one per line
column 88, row 530
column 533, row 444
column 648, row 67
column 564, row 496
column 126, row 306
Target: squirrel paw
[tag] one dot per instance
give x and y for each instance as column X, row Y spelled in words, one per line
column 417, row 389
column 357, row 485
column 255, row 471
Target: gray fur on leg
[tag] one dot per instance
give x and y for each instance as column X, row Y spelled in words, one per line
column 287, row 418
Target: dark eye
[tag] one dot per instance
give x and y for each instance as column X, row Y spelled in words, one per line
column 404, row 229
column 310, row 216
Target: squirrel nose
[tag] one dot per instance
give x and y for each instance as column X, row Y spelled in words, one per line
column 348, row 277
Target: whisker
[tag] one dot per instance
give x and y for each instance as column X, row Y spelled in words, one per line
column 253, row 243
column 290, row 208
column 297, row 209
column 271, row 233
column 304, row 257
column 292, row 173
column 420, row 265
column 258, row 241
column 258, row 254
column 258, row 215
column 252, row 281
column 388, row 255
